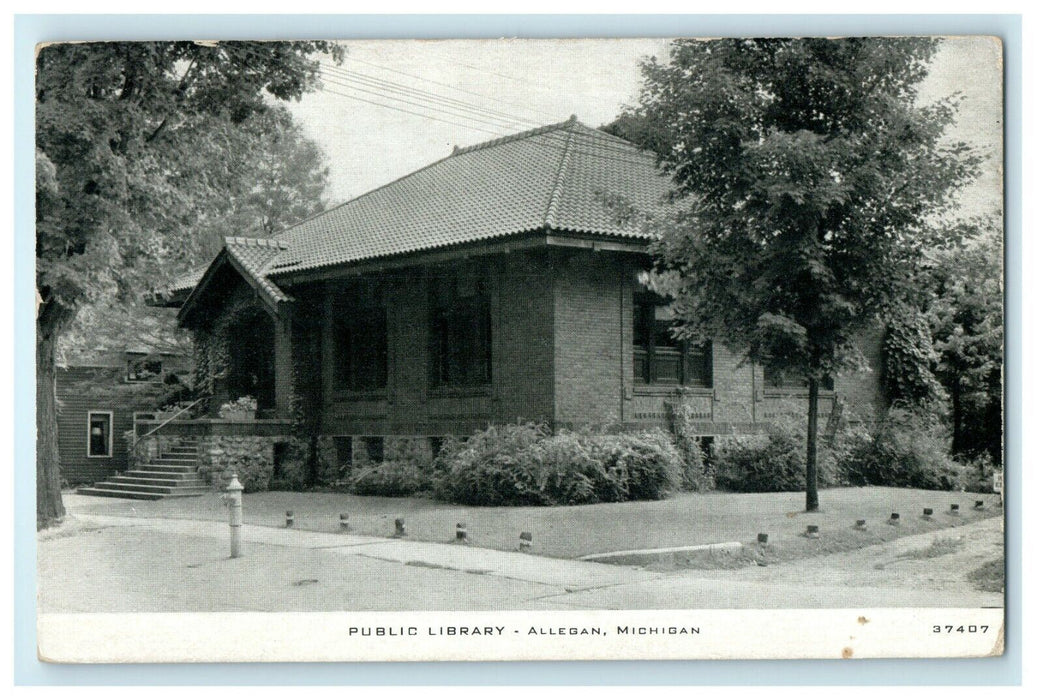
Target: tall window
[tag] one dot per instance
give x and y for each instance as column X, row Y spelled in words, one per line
column 661, row 358
column 360, row 340
column 99, row 433
column 460, row 332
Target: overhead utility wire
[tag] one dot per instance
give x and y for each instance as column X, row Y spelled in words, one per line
column 451, row 87
column 372, row 80
column 597, row 149
column 586, row 143
column 626, row 153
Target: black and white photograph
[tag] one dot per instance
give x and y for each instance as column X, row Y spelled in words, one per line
column 666, row 348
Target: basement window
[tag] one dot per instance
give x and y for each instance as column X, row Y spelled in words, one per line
column 343, row 446
column 659, row 356
column 99, row 433
column 374, row 448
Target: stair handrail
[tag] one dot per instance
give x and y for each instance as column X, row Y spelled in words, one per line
column 138, row 441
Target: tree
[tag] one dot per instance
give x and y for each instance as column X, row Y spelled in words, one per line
column 966, row 317
column 129, row 141
column 809, row 181
column 278, row 177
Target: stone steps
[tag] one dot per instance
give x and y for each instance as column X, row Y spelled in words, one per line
column 174, row 473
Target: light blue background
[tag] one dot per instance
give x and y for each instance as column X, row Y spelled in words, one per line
column 31, row 29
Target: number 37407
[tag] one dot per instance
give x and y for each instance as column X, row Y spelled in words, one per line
column 960, row 629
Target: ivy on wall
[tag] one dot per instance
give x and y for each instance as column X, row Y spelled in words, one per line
column 909, row 360
column 212, row 343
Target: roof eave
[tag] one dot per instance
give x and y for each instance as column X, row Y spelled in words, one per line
column 525, row 241
column 277, row 307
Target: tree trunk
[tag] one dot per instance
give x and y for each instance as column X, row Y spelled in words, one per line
column 811, row 478
column 49, row 507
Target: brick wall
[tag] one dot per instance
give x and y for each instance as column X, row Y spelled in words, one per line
column 562, row 352
column 594, row 379
column 589, row 317
column 521, row 307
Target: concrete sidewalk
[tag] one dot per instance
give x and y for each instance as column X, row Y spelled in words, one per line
column 566, row 573
column 129, row 564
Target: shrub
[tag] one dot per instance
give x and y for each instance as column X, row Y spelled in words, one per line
column 908, row 449
column 524, row 465
column 389, row 479
column 761, row 463
column 976, row 474
column 777, row 459
column 492, row 467
column 653, row 464
column 697, row 472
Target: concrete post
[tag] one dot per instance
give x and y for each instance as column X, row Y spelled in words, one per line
column 234, row 500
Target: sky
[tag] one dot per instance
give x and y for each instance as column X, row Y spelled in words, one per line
column 466, row 91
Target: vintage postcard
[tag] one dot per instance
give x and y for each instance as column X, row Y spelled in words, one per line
column 520, row 349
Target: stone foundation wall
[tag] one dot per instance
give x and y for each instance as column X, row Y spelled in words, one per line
column 252, row 458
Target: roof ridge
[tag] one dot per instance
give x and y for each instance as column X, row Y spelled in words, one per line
column 460, row 150
column 551, row 214
column 256, row 242
column 457, row 150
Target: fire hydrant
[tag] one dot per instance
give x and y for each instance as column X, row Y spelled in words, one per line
column 234, row 500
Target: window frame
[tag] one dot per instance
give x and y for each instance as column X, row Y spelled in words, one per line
column 374, row 303
column 133, row 358
column 440, row 313
column 109, row 443
column 826, row 386
column 648, row 380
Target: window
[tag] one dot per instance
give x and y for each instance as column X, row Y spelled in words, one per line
column 360, row 340
column 144, row 369
column 460, row 333
column 99, row 433
column 343, row 445
column 374, row 448
column 661, row 358
column 281, row 455
column 788, row 381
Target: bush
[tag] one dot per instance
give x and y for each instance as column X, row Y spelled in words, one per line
column 908, row 449
column 651, row 462
column 389, row 479
column 762, row 463
column 975, row 475
column 492, row 467
column 777, row 460
column 525, row 465
column 245, row 407
column 697, row 473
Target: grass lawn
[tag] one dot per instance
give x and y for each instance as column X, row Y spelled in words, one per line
column 573, row 531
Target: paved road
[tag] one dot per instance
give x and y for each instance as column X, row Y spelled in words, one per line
column 100, row 563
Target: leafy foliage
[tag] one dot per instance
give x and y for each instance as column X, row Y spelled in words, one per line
column 140, row 152
column 138, row 142
column 907, row 449
column 768, row 463
column 526, row 465
column 698, row 473
column 909, row 360
column 808, row 180
column 966, row 319
column 389, row 479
